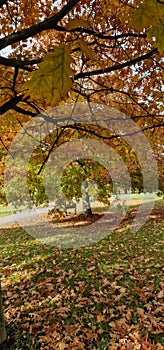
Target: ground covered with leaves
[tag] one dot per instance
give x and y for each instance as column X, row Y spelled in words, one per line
column 103, row 297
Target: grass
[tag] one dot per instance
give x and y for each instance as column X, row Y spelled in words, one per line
column 95, row 297
column 5, row 210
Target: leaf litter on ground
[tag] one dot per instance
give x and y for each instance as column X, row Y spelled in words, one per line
column 106, row 296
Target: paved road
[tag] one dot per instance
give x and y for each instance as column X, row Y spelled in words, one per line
column 24, row 215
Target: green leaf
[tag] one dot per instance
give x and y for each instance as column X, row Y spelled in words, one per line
column 158, row 33
column 147, row 14
column 52, row 80
column 150, row 14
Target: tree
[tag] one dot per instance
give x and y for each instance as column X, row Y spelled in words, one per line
column 82, row 51
column 89, row 41
column 85, row 50
column 77, row 177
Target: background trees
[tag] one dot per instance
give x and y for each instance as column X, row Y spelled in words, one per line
column 103, row 52
column 79, row 175
column 106, row 52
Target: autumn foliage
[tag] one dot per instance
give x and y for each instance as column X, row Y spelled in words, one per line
column 105, row 52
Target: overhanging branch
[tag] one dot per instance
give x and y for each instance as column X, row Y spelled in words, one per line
column 116, row 66
column 93, row 132
column 105, row 36
column 49, row 23
column 10, row 104
column 13, row 62
column 24, row 112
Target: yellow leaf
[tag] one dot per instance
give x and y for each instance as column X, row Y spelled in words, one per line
column 142, row 17
column 61, row 345
column 116, row 3
column 52, row 80
column 84, row 47
column 150, row 14
column 76, row 23
column 158, row 33
column 100, row 318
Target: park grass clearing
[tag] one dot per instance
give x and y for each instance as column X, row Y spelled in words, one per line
column 8, row 210
column 103, row 297
column 4, row 210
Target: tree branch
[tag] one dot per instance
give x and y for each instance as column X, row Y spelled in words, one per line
column 102, row 35
column 92, row 132
column 5, row 147
column 51, row 149
column 10, row 104
column 13, row 62
column 116, row 66
column 24, row 112
column 49, row 23
column 107, row 37
column 161, row 2
column 14, row 79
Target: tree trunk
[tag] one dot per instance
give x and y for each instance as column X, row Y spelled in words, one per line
column 2, row 322
column 86, row 202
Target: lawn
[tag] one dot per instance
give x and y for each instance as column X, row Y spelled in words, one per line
column 103, row 297
column 5, row 210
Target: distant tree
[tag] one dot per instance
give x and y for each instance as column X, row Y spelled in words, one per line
column 77, row 177
column 107, row 52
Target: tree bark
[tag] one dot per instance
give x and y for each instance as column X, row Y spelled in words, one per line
column 87, row 211
column 2, row 322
